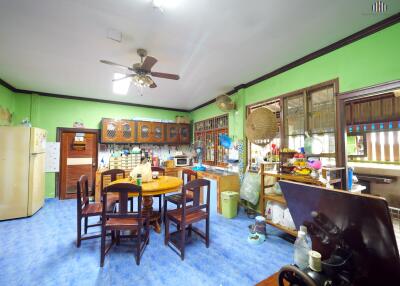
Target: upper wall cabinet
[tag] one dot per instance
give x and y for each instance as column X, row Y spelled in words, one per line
column 172, row 133
column 380, row 108
column 117, row 131
column 184, row 133
column 130, row 131
column 150, row 132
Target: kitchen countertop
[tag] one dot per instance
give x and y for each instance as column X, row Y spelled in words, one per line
column 376, row 169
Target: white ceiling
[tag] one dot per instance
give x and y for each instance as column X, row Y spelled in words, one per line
column 54, row 46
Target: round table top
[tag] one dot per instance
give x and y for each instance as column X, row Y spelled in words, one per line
column 162, row 185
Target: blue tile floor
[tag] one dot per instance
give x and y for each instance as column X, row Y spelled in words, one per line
column 41, row 251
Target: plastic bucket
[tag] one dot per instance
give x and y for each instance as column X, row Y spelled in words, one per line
column 229, row 203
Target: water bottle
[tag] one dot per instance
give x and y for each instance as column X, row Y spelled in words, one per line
column 301, row 250
column 307, row 237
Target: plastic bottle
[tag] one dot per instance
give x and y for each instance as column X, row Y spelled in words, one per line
column 301, row 250
column 307, row 237
column 139, row 179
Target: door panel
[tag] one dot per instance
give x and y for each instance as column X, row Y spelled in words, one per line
column 36, row 182
column 109, row 132
column 184, row 134
column 144, row 132
column 127, row 131
column 14, row 167
column 172, row 133
column 76, row 162
column 158, row 132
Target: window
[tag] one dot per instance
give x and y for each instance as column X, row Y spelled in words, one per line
column 256, row 153
column 311, row 112
column 306, row 112
column 373, row 129
column 207, row 132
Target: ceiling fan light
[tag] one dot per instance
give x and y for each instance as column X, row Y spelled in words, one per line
column 121, row 86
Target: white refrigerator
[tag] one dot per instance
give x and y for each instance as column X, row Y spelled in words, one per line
column 22, row 171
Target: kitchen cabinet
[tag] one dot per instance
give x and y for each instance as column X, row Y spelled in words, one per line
column 184, row 134
column 157, row 132
column 150, row 132
column 207, row 132
column 117, row 131
column 145, row 132
column 172, row 133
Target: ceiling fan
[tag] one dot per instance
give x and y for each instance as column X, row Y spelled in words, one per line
column 141, row 72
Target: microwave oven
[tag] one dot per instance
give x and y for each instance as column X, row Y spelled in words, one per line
column 181, row 161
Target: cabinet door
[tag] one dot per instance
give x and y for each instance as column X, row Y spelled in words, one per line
column 144, row 132
column 172, row 133
column 126, row 131
column 109, row 131
column 157, row 132
column 184, row 134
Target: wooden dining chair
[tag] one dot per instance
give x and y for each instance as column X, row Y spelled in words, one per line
column 161, row 171
column 187, row 215
column 110, row 176
column 177, row 199
column 136, row 223
column 85, row 209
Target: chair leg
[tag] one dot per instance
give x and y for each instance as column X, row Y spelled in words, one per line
column 207, row 232
column 190, row 230
column 165, row 207
column 138, row 244
column 103, row 246
column 160, row 209
column 86, row 224
column 183, row 234
column 118, row 237
column 79, row 231
column 178, row 226
column 166, row 235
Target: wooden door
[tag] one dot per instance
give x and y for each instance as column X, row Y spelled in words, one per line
column 144, row 132
column 184, row 134
column 172, row 133
column 78, row 157
column 157, row 132
column 109, row 131
column 126, row 132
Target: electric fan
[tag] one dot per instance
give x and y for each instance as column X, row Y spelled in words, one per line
column 198, row 148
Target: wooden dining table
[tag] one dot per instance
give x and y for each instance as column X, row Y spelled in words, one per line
column 162, row 185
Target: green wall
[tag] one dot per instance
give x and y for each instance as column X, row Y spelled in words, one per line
column 371, row 60
column 50, row 112
column 7, row 99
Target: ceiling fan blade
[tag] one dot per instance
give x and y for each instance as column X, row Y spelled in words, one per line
column 148, row 63
column 165, row 75
column 115, row 64
column 129, row 75
column 153, row 85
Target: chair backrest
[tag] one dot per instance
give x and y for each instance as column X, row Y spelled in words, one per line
column 189, row 174
column 195, row 187
column 82, row 191
column 160, row 170
column 123, row 190
column 114, row 174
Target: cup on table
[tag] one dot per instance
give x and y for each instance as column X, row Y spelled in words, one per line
column 155, row 174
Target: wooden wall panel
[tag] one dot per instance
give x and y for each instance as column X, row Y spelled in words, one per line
column 396, row 145
column 387, row 109
column 369, row 146
column 387, row 147
column 375, row 111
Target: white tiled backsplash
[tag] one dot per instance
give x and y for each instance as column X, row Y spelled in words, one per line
column 164, row 152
